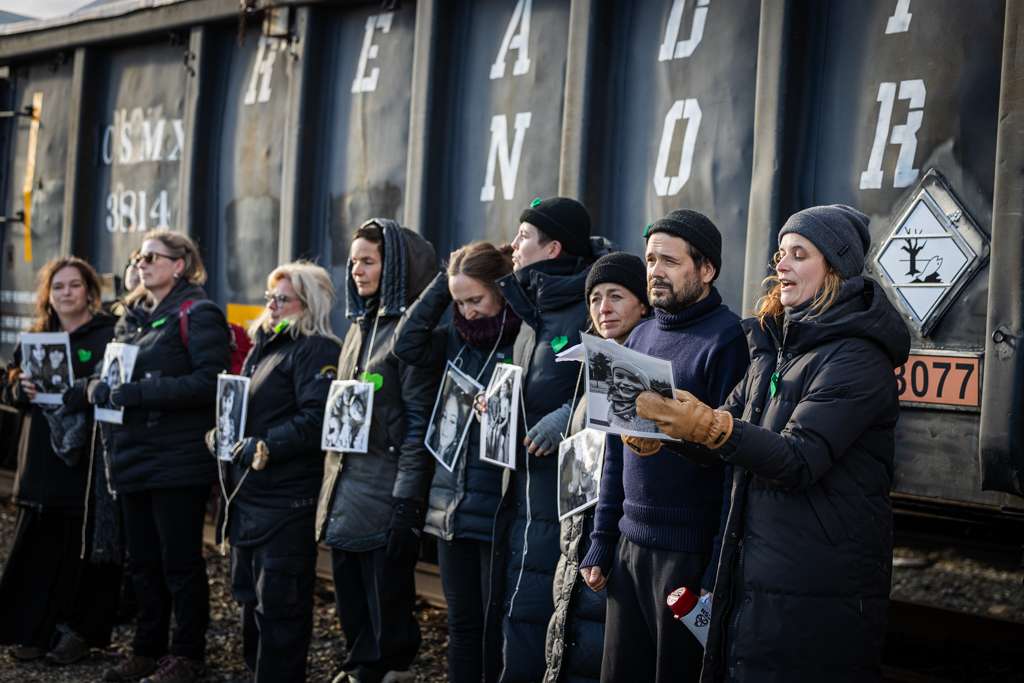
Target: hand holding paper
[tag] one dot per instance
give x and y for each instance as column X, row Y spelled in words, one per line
column 686, row 418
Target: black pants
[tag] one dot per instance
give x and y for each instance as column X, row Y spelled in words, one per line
column 465, row 575
column 164, row 533
column 375, row 597
column 274, row 583
column 45, row 583
column 642, row 640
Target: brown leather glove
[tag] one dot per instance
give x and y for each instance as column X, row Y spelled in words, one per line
column 641, row 446
column 686, row 418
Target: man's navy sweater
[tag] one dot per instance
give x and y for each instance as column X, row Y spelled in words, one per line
column 665, row 500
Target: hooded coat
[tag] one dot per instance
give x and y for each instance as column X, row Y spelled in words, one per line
column 160, row 443
column 43, row 480
column 549, row 297
column 803, row 579
column 462, row 502
column 356, row 497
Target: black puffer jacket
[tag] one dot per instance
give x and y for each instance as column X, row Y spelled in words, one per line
column 549, row 297
column 803, row 581
column 462, row 502
column 355, row 505
column 287, row 396
column 43, row 480
column 160, row 444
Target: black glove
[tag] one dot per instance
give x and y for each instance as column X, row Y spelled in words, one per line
column 126, row 395
column 98, row 392
column 244, row 451
column 404, row 535
column 75, row 398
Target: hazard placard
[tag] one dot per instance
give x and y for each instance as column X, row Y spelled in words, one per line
column 940, row 380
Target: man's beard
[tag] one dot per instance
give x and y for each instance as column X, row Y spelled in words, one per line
column 674, row 301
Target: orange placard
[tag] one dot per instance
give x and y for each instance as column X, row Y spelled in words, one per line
column 940, row 380
column 243, row 314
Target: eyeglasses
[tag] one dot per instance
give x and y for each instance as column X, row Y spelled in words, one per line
column 279, row 299
column 151, row 256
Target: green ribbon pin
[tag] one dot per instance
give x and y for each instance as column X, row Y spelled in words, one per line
column 535, row 203
column 158, row 323
column 773, row 385
column 558, row 343
column 281, row 326
column 647, row 230
column 374, row 378
column 84, row 355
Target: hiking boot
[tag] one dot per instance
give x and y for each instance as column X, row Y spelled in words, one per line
column 27, row 653
column 345, row 677
column 175, row 669
column 131, row 668
column 70, row 648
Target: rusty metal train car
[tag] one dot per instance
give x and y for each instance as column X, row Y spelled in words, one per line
column 269, row 130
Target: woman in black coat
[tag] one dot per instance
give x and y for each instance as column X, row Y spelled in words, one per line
column 158, row 463
column 462, row 501
column 271, row 505
column 49, row 596
column 804, row 574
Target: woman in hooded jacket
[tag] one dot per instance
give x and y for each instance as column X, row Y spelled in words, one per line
column 463, row 501
column 804, row 572
column 157, row 459
column 372, row 503
column 50, row 599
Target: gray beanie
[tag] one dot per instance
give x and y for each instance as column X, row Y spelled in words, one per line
column 839, row 231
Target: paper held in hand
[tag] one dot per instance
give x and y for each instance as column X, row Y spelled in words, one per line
column 46, row 360
column 118, row 365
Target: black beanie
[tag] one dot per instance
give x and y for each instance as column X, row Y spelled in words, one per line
column 562, row 219
column 695, row 228
column 622, row 268
column 840, row 233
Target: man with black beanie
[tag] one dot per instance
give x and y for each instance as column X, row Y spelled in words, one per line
column 659, row 516
column 552, row 254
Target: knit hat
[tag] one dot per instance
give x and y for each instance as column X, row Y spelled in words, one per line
column 562, row 219
column 695, row 228
column 839, row 231
column 620, row 268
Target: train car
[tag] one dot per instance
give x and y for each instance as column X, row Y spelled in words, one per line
column 269, row 130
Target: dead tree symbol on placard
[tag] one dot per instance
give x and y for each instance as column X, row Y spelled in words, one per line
column 926, row 272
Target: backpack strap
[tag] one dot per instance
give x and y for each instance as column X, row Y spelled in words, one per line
column 183, row 311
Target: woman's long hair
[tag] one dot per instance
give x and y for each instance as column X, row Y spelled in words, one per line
column 45, row 318
column 770, row 305
column 313, row 286
column 178, row 245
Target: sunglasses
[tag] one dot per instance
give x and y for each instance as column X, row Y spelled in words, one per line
column 279, row 299
column 150, row 256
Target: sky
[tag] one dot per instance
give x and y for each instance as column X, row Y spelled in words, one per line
column 41, row 9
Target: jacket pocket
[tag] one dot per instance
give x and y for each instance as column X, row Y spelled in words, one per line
column 285, row 586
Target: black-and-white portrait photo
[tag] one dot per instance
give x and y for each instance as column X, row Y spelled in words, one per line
column 46, row 359
column 118, row 364
column 499, row 422
column 347, row 417
column 232, row 402
column 453, row 413
column 616, row 376
column 580, row 462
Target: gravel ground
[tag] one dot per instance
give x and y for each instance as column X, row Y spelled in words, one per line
column 224, row 643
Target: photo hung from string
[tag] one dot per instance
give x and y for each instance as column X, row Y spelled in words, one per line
column 232, row 404
column 46, row 359
column 347, row 417
column 452, row 415
column 580, row 462
column 499, row 423
column 118, row 364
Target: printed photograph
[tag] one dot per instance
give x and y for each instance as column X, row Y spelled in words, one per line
column 46, row 359
column 118, row 364
column 580, row 462
column 499, row 422
column 616, row 376
column 452, row 416
column 232, row 402
column 347, row 417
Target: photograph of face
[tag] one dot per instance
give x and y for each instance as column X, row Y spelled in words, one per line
column 499, row 423
column 348, row 417
column 580, row 462
column 452, row 416
column 118, row 365
column 45, row 358
column 232, row 401
column 616, row 376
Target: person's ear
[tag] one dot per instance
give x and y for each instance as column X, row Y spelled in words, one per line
column 707, row 272
column 555, row 249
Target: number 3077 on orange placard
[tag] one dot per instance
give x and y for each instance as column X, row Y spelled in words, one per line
column 929, row 379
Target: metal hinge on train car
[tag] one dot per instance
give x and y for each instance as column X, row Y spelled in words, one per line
column 18, row 217
column 27, row 111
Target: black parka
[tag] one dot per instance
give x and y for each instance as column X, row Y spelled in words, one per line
column 43, row 480
column 549, row 297
column 160, row 444
column 290, row 379
column 358, row 490
column 462, row 502
column 803, row 580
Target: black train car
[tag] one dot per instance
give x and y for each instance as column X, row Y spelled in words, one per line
column 269, row 133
